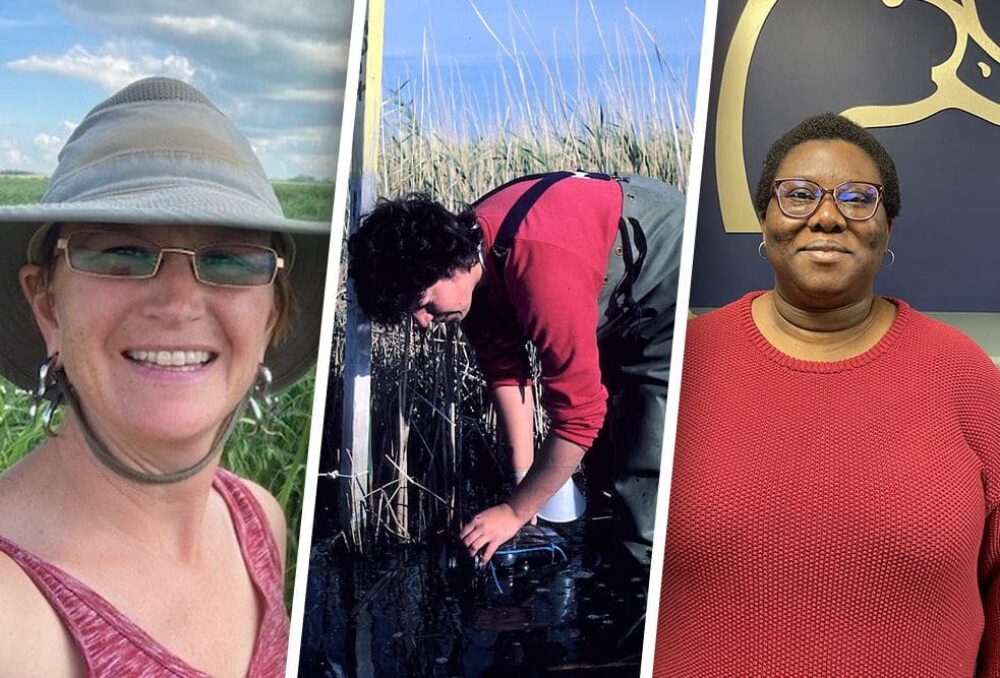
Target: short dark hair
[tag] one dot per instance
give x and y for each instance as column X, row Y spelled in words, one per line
column 822, row 127
column 404, row 246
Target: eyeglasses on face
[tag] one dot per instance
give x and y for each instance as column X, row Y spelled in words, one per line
column 115, row 254
column 800, row 198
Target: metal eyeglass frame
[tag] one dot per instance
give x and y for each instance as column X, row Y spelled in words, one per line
column 823, row 192
column 279, row 261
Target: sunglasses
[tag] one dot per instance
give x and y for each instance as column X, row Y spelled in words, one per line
column 800, row 198
column 114, row 254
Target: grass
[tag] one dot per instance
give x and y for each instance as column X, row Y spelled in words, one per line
column 433, row 436
column 276, row 460
column 19, row 189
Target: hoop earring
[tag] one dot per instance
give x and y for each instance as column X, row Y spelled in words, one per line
column 762, row 250
column 48, row 395
column 261, row 400
column 892, row 257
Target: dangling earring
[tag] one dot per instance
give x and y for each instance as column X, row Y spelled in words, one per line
column 47, row 394
column 762, row 250
column 892, row 257
column 261, row 400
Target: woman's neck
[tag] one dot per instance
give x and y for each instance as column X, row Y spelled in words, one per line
column 822, row 334
column 167, row 518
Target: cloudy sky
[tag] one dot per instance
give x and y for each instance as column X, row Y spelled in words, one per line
column 277, row 68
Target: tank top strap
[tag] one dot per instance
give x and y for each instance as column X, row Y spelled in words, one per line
column 253, row 531
column 260, row 552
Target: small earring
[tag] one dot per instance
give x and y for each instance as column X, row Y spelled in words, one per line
column 892, row 257
column 261, row 401
column 762, row 250
column 47, row 394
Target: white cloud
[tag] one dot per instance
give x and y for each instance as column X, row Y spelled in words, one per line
column 11, row 157
column 113, row 66
column 48, row 142
column 311, row 95
column 275, row 67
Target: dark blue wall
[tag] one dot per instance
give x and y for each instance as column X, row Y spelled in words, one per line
column 819, row 55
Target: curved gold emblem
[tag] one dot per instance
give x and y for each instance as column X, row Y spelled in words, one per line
column 735, row 201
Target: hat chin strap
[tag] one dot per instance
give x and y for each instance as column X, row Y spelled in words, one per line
column 100, row 450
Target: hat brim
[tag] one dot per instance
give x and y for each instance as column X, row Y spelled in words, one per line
column 23, row 348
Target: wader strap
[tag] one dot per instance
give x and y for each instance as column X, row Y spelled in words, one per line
column 622, row 296
column 512, row 222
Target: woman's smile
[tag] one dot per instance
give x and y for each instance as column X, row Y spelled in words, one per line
column 824, row 251
column 826, row 259
column 162, row 357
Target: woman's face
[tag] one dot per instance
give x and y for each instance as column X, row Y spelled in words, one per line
column 163, row 359
column 825, row 260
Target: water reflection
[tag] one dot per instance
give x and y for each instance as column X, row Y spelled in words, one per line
column 426, row 611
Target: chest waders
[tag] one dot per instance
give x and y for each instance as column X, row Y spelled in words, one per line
column 634, row 334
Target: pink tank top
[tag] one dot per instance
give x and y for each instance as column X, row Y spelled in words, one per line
column 112, row 645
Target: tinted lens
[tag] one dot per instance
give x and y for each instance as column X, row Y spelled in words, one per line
column 235, row 264
column 857, row 200
column 798, row 197
column 112, row 254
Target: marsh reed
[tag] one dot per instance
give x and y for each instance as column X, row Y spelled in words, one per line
column 436, row 457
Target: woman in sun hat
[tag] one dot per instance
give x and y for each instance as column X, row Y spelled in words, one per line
column 151, row 292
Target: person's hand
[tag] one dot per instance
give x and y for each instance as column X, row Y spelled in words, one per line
column 489, row 529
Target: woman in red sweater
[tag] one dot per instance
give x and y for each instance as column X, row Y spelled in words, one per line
column 837, row 467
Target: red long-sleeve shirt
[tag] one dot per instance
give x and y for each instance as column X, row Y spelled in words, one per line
column 837, row 518
column 548, row 295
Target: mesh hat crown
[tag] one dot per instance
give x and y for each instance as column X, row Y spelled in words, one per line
column 158, row 152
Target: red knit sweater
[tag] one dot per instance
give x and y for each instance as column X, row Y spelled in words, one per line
column 833, row 518
column 548, row 296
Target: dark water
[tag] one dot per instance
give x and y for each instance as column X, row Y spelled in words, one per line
column 425, row 610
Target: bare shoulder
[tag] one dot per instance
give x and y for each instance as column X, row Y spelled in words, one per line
column 33, row 640
column 275, row 515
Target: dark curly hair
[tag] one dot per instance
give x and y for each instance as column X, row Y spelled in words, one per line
column 829, row 126
column 403, row 247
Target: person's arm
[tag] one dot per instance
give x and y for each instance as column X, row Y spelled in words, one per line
column 517, row 418
column 989, row 580
column 553, row 466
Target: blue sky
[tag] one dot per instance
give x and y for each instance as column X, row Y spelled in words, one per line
column 458, row 31
column 474, row 47
column 276, row 68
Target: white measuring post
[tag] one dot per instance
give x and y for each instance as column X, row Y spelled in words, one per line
column 355, row 459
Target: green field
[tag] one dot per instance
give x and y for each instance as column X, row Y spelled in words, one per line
column 275, row 460
column 17, row 189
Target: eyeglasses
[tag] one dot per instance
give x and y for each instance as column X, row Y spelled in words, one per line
column 800, row 198
column 113, row 254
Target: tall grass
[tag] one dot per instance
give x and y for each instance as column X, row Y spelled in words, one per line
column 436, row 455
column 274, row 458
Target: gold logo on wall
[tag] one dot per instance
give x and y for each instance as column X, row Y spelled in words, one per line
column 738, row 215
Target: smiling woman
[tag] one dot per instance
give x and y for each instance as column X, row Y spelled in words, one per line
column 835, row 506
column 152, row 291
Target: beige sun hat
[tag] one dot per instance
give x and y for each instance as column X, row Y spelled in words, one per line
column 159, row 152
